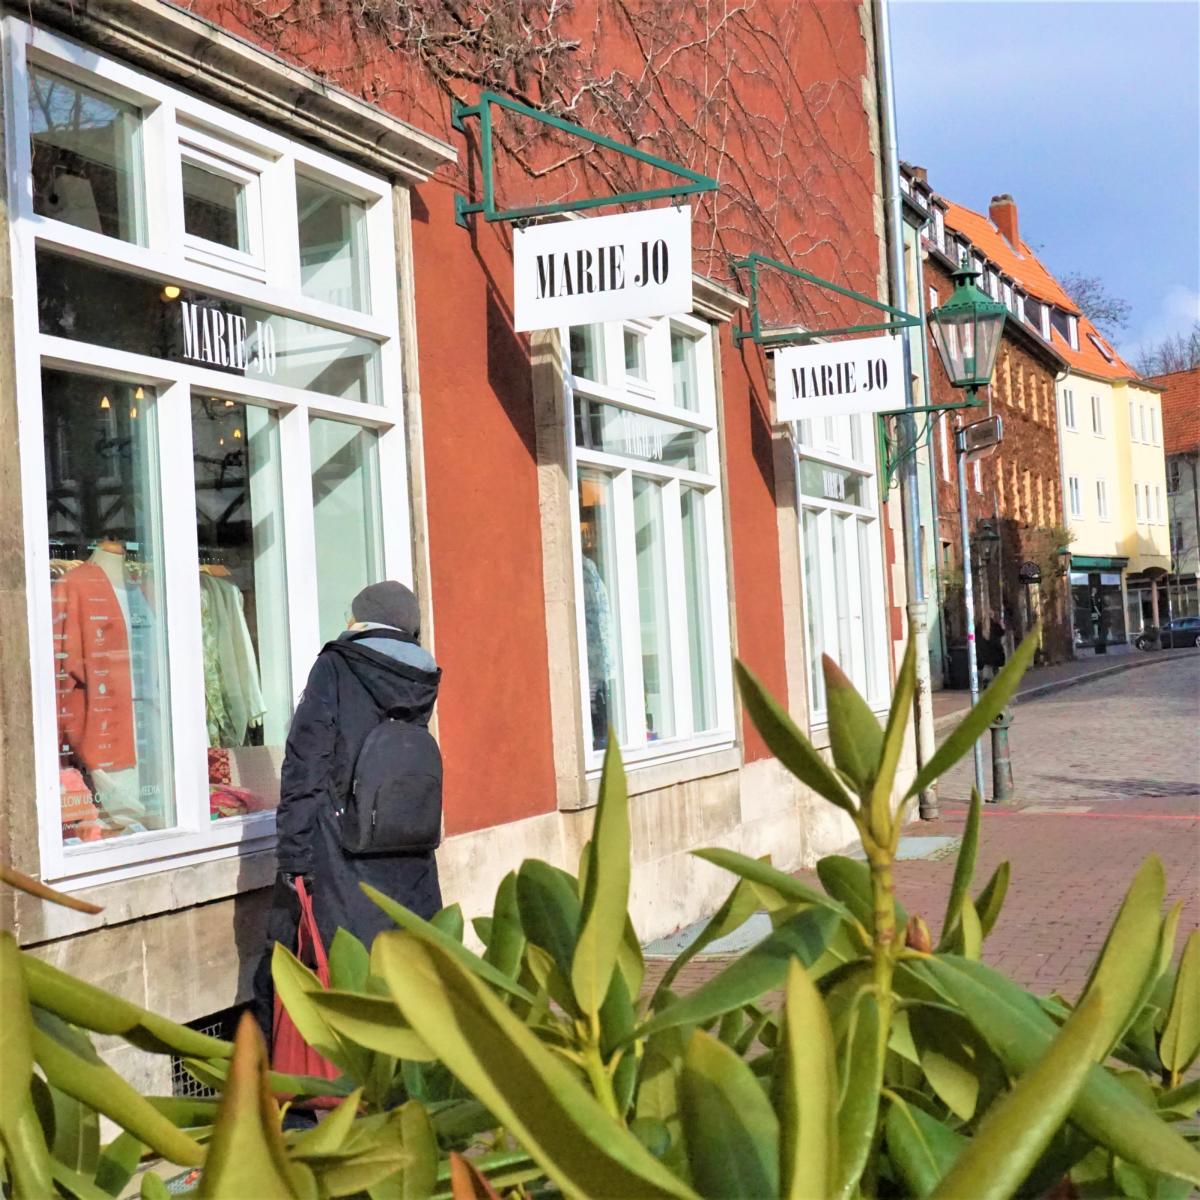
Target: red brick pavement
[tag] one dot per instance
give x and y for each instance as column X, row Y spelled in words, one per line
column 1069, row 874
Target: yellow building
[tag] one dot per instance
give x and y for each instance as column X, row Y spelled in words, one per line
column 1114, row 487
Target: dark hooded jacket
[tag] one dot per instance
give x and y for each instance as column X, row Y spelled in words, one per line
column 354, row 682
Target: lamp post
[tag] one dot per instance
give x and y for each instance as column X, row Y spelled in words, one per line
column 966, row 331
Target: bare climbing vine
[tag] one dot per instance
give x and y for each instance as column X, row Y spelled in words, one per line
column 767, row 96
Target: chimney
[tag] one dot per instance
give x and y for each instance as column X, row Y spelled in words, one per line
column 1003, row 211
column 920, row 174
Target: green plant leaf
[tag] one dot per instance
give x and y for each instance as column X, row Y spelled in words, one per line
column 760, row 970
column 214, row 1075
column 969, row 936
column 99, row 1087
column 964, row 870
column 729, row 1127
column 119, row 1161
column 153, row 1188
column 883, row 823
column 297, row 988
column 409, row 921
column 76, row 1134
column 1183, row 1101
column 372, row 1022
column 1017, row 1128
column 1019, row 1032
column 990, row 901
column 806, row 1092
column 507, row 941
column 756, row 871
column 530, row 1090
column 658, row 1093
column 740, row 905
column 975, row 724
column 855, row 738
column 247, row 1156
column 74, row 1182
column 16, row 1041
column 349, row 963
column 1180, row 1042
column 1128, row 964
column 326, row 1138
column 606, row 890
column 848, row 880
column 93, row 1008
column 861, row 1077
column 550, row 911
column 948, row 1053
column 920, row 1148
column 450, row 921
column 788, row 744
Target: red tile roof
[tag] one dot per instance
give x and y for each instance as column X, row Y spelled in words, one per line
column 1180, row 410
column 1093, row 357
column 1020, row 261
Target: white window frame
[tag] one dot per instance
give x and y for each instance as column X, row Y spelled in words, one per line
column 1154, row 435
column 1074, row 496
column 1097, row 417
column 166, row 254
column 1158, row 505
column 653, row 397
column 1102, row 499
column 839, row 453
column 1069, row 409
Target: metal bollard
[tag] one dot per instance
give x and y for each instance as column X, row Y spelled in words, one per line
column 1002, row 776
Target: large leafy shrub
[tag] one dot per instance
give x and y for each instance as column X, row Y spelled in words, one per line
column 845, row 1055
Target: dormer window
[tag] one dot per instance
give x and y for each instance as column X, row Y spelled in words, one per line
column 939, row 228
column 1073, row 331
column 1046, row 322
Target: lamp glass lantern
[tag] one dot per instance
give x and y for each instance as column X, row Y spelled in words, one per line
column 966, row 330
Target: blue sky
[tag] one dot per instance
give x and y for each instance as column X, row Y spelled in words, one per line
column 1088, row 113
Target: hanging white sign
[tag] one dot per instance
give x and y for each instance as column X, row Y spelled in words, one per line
column 833, row 378
column 603, row 269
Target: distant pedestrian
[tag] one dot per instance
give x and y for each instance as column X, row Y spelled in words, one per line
column 375, row 670
column 993, row 647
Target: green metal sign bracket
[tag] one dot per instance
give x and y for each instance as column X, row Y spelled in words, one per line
column 755, row 262
column 893, row 454
column 689, row 181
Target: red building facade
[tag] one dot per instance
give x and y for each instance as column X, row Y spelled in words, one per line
column 596, row 519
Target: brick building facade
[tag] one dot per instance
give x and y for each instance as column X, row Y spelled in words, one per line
column 1014, row 496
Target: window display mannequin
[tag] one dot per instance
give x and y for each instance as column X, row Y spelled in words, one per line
column 103, row 628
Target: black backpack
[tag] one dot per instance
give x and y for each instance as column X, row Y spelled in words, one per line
column 395, row 801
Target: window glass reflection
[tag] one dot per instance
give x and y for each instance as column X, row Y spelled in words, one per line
column 345, row 489
column 110, row 660
column 214, row 207
column 243, row 602
column 86, row 156
column 650, row 542
column 333, row 259
column 601, row 614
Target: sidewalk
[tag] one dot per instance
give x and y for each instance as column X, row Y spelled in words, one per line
column 1041, row 681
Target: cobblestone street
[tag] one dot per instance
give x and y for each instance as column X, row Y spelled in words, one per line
column 1107, row 773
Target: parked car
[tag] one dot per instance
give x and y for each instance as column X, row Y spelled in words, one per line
column 1183, row 631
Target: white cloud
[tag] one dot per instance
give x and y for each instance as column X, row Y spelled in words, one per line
column 1178, row 311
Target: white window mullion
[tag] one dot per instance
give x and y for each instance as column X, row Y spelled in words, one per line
column 829, row 602
column 281, row 237
column 720, row 605
column 681, row 664
column 631, row 611
column 180, row 573
column 295, row 457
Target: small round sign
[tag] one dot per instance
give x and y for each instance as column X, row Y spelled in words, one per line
column 1030, row 572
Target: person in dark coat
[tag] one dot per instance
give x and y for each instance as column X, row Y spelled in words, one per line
column 377, row 666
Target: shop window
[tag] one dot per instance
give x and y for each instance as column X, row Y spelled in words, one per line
column 332, row 233
column 202, row 475
column 346, row 517
column 86, row 157
column 653, row 624
column 107, row 607
column 243, row 601
column 843, row 578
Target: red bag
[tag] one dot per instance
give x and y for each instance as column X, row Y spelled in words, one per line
column 290, row 1053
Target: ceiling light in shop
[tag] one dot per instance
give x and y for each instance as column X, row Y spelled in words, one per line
column 237, row 433
column 138, row 394
column 133, row 412
column 105, row 402
column 170, row 292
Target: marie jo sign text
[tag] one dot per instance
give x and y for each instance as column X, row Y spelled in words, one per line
column 833, row 378
column 603, row 269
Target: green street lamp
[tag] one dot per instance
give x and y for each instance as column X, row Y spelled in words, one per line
column 966, row 330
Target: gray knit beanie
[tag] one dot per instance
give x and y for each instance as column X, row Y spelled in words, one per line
column 388, row 603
